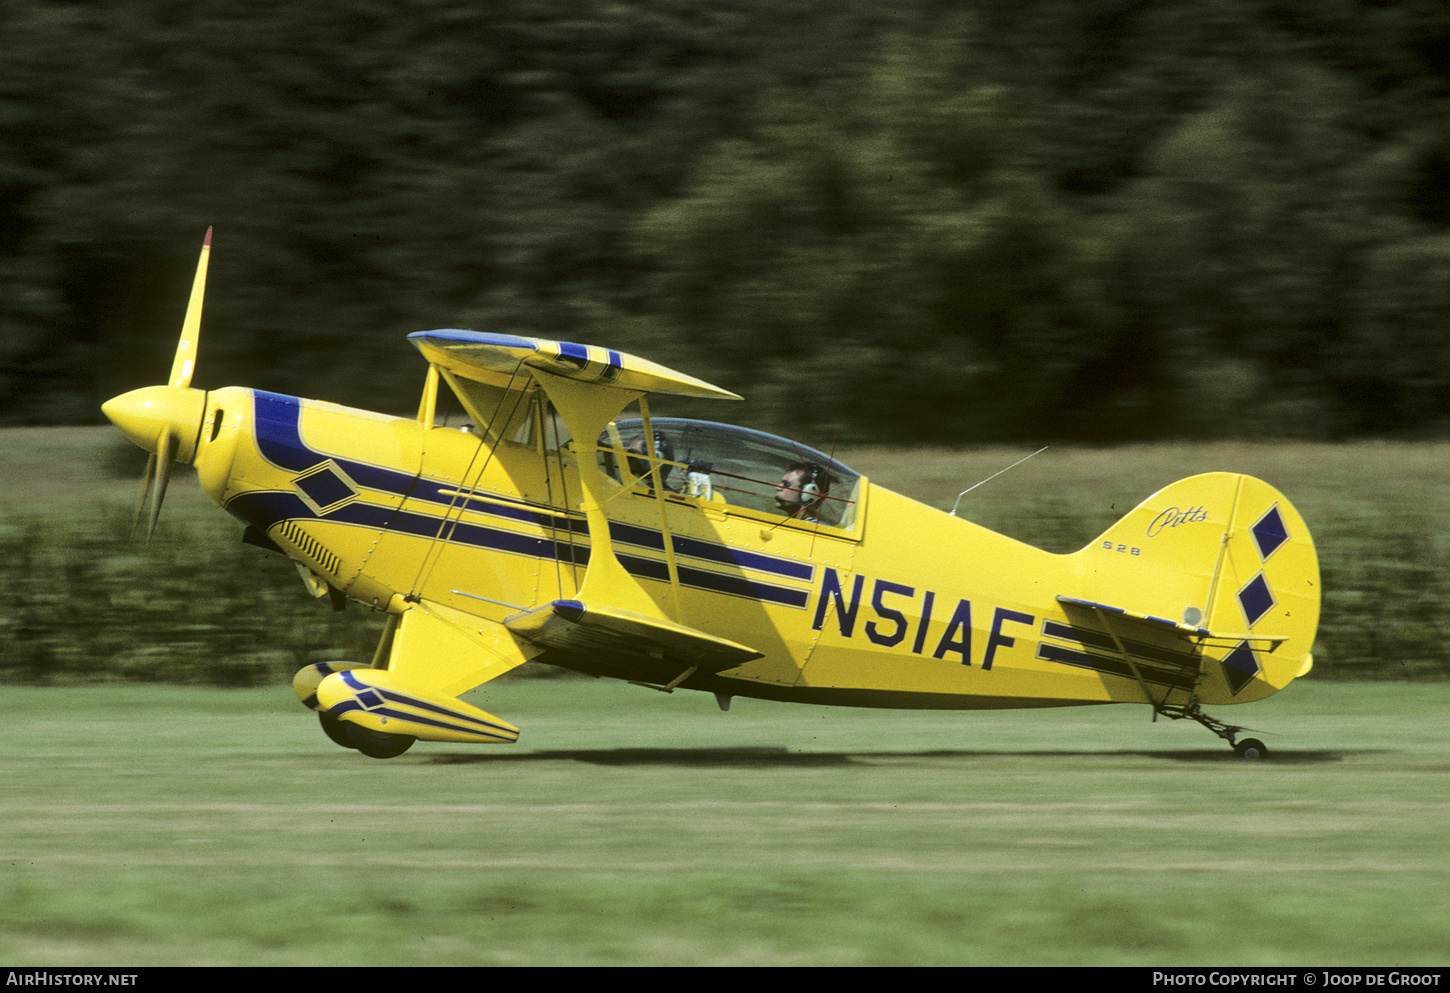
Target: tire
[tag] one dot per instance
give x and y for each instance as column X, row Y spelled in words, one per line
column 1252, row 749
column 377, row 744
column 335, row 729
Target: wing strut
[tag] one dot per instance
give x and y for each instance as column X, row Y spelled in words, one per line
column 587, row 409
column 657, row 488
column 459, row 501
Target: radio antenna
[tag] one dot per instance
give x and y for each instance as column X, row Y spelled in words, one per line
column 994, row 476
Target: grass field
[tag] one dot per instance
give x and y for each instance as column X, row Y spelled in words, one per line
column 190, row 826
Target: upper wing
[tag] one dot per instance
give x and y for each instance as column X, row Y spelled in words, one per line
column 496, row 359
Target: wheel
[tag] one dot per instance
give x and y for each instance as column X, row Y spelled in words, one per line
column 377, row 744
column 335, row 729
column 1251, row 748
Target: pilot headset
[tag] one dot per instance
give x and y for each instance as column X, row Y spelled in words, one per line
column 811, row 488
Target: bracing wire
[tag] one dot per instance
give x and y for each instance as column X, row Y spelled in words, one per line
column 459, row 499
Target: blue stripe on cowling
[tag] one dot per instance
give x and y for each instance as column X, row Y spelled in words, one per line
column 279, row 439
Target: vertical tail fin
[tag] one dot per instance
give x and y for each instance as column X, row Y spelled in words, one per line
column 1225, row 553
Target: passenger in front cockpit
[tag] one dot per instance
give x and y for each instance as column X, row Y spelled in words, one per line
column 664, row 451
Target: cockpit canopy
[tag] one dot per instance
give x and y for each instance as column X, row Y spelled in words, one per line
column 735, row 466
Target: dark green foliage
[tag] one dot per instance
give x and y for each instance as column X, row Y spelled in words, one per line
column 1088, row 219
column 88, row 604
column 1382, row 616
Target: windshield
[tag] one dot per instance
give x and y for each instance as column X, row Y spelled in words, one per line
column 736, row 466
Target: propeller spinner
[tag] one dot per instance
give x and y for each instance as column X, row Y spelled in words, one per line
column 166, row 420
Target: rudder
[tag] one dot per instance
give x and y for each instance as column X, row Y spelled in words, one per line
column 1267, row 584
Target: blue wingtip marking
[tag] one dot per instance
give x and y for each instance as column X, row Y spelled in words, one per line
column 472, row 337
column 570, row 610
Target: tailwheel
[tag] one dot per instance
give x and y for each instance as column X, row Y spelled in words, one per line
column 1248, row 748
column 1251, row 748
column 377, row 744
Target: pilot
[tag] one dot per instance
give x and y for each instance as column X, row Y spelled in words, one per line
column 802, row 491
column 640, row 466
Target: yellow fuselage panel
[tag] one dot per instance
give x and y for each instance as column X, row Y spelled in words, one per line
column 938, row 605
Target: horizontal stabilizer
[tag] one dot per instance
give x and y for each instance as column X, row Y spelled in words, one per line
column 497, row 359
column 1131, row 618
column 570, row 625
column 1160, row 654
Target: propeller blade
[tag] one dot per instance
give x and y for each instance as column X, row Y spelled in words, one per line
column 165, row 454
column 146, row 479
column 185, row 361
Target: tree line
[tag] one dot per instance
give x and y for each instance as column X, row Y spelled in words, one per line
column 937, row 221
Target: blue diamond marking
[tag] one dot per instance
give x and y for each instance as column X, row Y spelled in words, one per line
column 370, row 699
column 1256, row 599
column 1270, row 532
column 324, row 487
column 1240, row 666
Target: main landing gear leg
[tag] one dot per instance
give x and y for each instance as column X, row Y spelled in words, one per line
column 1248, row 748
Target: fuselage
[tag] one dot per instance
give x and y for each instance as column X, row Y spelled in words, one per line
column 893, row 604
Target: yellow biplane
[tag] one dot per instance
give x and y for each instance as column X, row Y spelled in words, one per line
column 563, row 527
